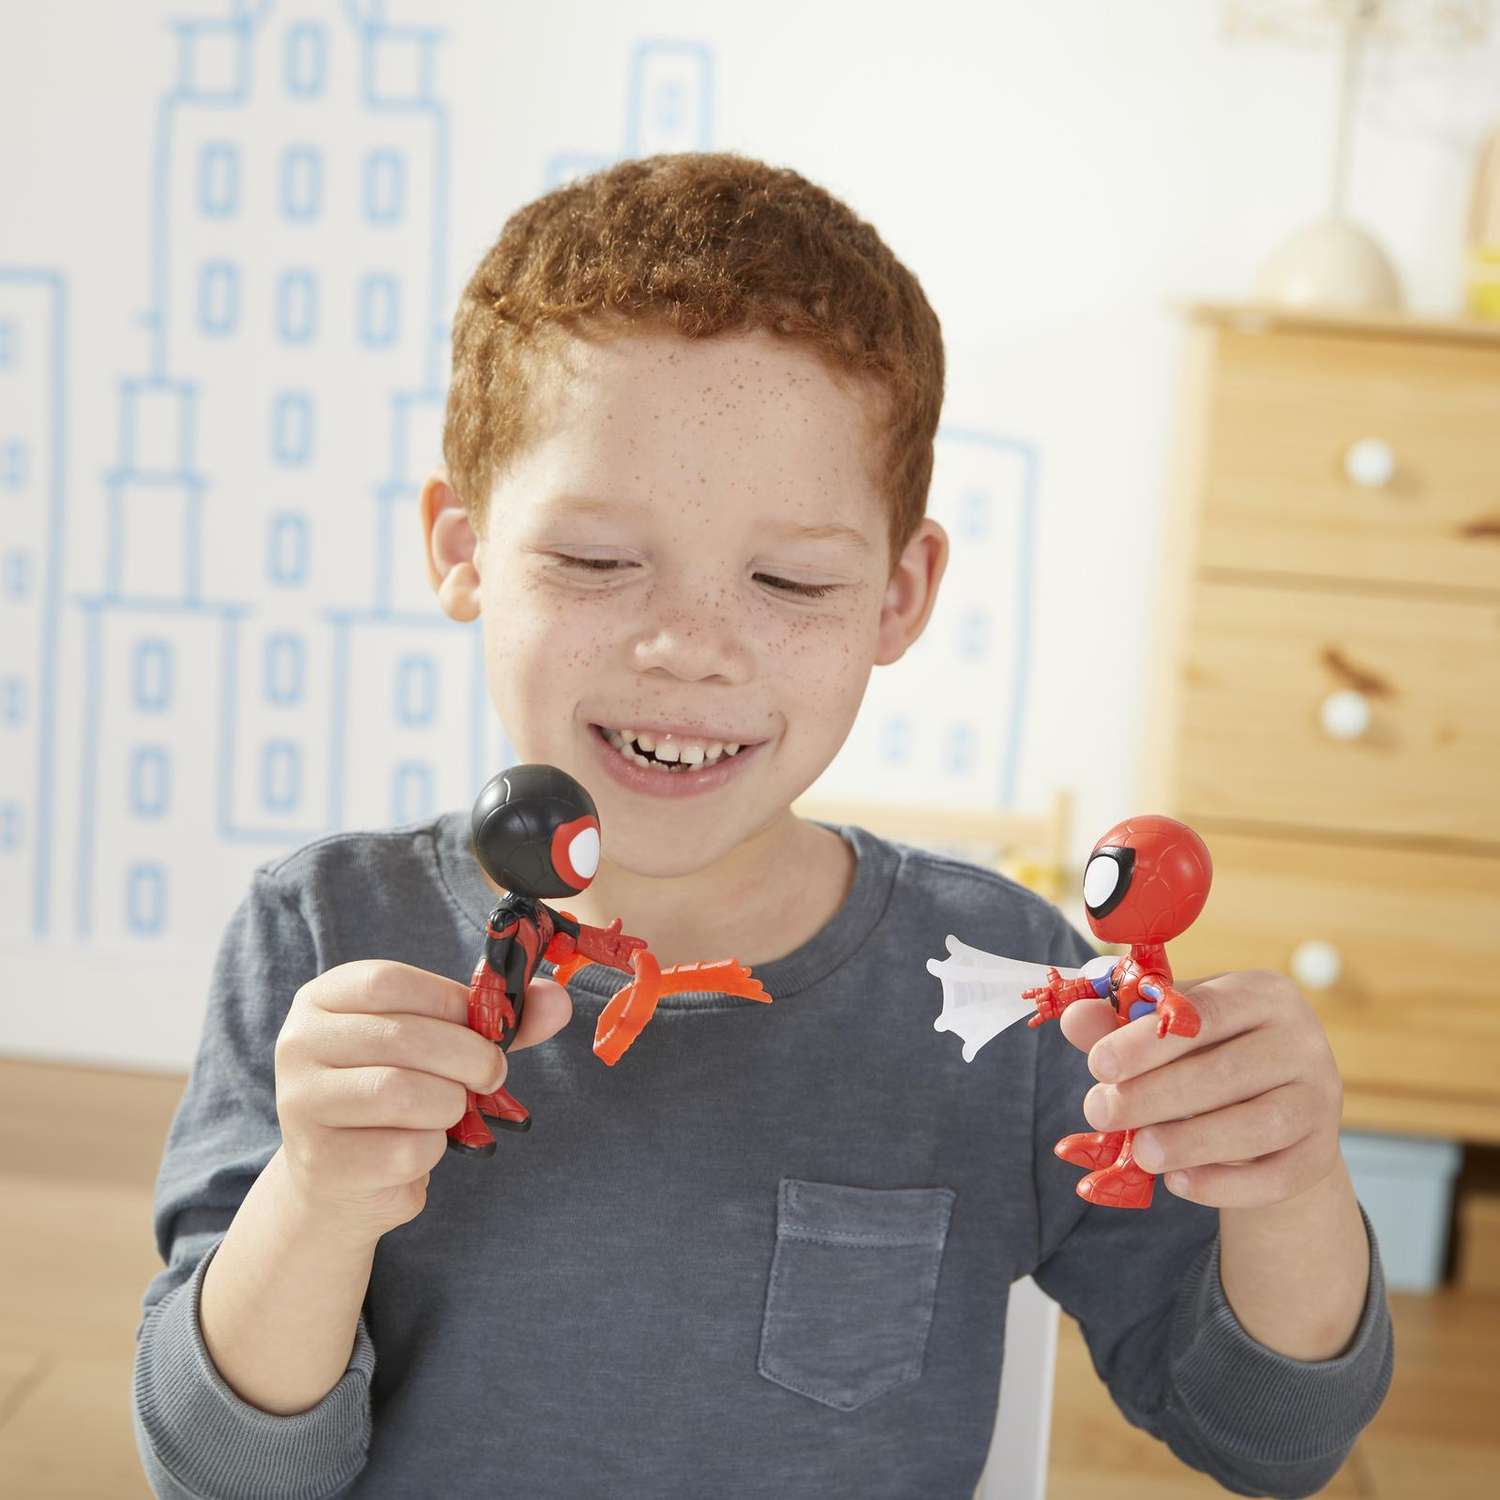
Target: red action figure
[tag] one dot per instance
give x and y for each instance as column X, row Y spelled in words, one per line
column 536, row 833
column 1145, row 883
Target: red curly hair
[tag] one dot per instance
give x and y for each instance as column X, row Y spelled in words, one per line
column 699, row 243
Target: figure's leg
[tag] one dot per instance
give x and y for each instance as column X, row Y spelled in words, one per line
column 470, row 1134
column 505, row 1110
column 1123, row 1184
column 1091, row 1148
column 493, row 1014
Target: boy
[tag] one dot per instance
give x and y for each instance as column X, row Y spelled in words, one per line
column 688, row 444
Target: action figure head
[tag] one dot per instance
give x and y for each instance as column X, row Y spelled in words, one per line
column 536, row 832
column 1146, row 881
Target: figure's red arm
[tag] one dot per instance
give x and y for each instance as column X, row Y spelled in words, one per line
column 1174, row 1011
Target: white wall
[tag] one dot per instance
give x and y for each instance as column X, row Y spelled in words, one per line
column 1056, row 175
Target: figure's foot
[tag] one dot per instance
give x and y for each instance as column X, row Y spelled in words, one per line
column 1091, row 1148
column 504, row 1110
column 471, row 1135
column 1124, row 1185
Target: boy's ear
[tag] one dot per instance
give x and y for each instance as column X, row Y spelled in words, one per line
column 449, row 544
column 912, row 591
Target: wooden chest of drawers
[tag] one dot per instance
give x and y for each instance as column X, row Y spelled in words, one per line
column 1327, row 698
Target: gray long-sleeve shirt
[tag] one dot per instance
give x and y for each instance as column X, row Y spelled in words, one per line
column 766, row 1254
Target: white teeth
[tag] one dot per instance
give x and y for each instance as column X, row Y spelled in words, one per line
column 677, row 754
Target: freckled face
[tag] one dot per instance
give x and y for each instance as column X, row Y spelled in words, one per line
column 694, row 544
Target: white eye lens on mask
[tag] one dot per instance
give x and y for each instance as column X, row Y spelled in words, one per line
column 583, row 852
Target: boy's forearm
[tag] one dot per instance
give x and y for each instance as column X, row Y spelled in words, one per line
column 1297, row 1273
column 281, row 1299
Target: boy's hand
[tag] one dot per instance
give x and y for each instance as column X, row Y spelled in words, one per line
column 1244, row 1114
column 372, row 1067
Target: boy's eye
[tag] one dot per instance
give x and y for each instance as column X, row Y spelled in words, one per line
column 807, row 590
column 594, row 564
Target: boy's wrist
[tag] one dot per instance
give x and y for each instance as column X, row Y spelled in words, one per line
column 316, row 1218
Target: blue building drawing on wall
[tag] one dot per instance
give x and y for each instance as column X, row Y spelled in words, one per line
column 254, row 576
column 263, row 661
column 33, row 310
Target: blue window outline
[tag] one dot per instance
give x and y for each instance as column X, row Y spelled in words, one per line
column 146, row 897
column 13, row 464
column 280, row 776
column 297, row 306
column 287, row 546
column 960, row 748
column 301, row 183
column 895, row 740
column 152, row 669
column 977, row 514
column 12, row 821
column 219, row 180
column 292, row 428
column 15, row 574
column 416, row 691
column 13, row 701
column 384, row 186
column 413, row 793
column 972, row 634
column 150, row 781
column 284, row 669
column 10, row 343
column 306, row 59
column 379, row 310
column 218, row 297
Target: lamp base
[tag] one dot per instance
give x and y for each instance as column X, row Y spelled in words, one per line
column 1330, row 263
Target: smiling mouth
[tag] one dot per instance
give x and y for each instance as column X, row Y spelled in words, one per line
column 667, row 753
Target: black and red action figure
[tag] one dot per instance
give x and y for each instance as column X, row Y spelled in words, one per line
column 536, row 834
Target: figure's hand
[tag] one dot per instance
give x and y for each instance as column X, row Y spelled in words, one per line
column 1244, row 1114
column 373, row 1064
column 609, row 945
column 1048, row 997
column 1176, row 1013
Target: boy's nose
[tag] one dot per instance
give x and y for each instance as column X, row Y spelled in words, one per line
column 694, row 650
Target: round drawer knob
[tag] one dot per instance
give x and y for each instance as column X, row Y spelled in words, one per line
column 1316, row 965
column 1370, row 463
column 1345, row 715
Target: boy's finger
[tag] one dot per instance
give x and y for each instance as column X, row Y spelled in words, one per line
column 547, row 1010
column 421, row 1043
column 378, row 986
column 1226, row 1006
column 1085, row 1022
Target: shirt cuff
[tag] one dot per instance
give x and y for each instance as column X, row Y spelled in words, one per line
column 1256, row 1403
column 209, row 1442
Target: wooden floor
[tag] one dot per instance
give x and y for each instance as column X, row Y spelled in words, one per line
column 78, row 1156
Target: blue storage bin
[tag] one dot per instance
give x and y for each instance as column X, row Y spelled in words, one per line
column 1406, row 1187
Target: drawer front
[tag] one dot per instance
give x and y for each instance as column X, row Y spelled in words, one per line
column 1342, row 712
column 1415, row 942
column 1287, row 489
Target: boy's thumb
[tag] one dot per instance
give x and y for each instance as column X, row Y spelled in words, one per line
column 547, row 1010
column 1084, row 1022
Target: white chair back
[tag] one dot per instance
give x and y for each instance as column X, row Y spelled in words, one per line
column 1017, row 1465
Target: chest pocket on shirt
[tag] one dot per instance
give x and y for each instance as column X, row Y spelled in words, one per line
column 853, row 1282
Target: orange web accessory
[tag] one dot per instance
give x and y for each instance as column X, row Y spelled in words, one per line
column 627, row 1013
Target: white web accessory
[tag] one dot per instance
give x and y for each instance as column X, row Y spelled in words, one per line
column 982, row 991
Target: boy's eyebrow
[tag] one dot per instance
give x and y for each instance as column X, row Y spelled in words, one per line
column 827, row 531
